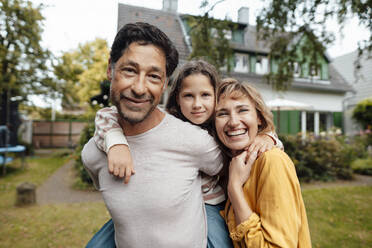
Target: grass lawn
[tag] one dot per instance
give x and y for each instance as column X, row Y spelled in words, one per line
column 338, row 217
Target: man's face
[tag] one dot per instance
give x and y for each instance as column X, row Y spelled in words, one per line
column 137, row 81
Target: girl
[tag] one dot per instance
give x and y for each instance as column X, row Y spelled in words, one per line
column 265, row 206
column 192, row 99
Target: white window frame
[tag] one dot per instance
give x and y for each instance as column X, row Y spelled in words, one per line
column 241, row 62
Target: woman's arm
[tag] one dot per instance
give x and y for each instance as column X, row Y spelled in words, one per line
column 278, row 218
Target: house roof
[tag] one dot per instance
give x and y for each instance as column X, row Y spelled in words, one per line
column 168, row 22
column 171, row 24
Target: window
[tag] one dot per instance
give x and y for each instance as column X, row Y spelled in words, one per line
column 296, row 70
column 315, row 71
column 241, row 62
column 262, row 65
column 227, row 33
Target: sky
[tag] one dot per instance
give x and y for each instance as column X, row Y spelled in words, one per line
column 69, row 23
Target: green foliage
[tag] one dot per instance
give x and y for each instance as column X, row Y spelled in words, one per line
column 362, row 113
column 80, row 72
column 323, row 158
column 23, row 62
column 362, row 166
column 296, row 25
column 208, row 38
column 86, row 134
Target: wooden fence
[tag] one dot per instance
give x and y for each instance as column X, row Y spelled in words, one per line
column 49, row 134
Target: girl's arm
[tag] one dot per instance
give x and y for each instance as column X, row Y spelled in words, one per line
column 280, row 220
column 109, row 138
column 265, row 142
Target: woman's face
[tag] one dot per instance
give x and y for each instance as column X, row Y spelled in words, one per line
column 196, row 98
column 236, row 122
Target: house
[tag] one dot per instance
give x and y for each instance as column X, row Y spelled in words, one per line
column 362, row 85
column 324, row 91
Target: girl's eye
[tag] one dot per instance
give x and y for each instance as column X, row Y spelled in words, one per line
column 221, row 114
column 187, row 95
column 206, row 95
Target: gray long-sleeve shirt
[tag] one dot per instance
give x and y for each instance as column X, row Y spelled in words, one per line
column 162, row 206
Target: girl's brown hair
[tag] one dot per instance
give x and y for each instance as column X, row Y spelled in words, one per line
column 190, row 68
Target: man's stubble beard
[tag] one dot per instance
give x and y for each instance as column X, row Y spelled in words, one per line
column 126, row 117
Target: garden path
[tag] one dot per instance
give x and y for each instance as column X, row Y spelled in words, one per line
column 58, row 188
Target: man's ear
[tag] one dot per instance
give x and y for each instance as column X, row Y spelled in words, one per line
column 109, row 70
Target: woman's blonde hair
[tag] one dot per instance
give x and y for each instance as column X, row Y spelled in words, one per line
column 234, row 88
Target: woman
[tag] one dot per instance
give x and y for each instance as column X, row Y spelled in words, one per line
column 265, row 206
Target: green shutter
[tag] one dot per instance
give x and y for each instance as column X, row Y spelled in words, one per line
column 252, row 63
column 324, row 71
column 289, row 121
column 337, row 119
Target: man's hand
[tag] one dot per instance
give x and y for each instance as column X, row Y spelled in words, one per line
column 261, row 144
column 120, row 162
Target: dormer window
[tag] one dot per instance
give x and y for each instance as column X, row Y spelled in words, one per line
column 227, row 33
column 262, row 65
column 241, row 62
column 315, row 71
column 296, row 69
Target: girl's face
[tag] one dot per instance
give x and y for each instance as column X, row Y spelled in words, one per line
column 196, row 98
column 236, row 122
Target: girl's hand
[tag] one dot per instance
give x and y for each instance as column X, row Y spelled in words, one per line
column 240, row 168
column 261, row 144
column 120, row 162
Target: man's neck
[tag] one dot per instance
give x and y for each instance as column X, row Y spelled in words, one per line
column 150, row 122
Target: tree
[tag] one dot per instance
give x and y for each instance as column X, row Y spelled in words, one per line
column 362, row 113
column 23, row 62
column 208, row 37
column 293, row 25
column 80, row 72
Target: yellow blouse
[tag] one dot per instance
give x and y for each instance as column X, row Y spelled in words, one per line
column 274, row 195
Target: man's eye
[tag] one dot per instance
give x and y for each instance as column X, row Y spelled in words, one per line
column 128, row 70
column 154, row 76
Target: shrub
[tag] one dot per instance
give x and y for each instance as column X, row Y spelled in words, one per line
column 362, row 166
column 321, row 158
column 362, row 113
column 86, row 134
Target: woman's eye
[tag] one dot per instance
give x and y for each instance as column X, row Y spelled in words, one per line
column 243, row 110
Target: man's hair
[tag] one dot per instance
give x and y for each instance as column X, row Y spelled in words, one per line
column 144, row 34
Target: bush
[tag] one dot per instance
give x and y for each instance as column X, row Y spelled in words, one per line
column 323, row 158
column 362, row 166
column 362, row 113
column 86, row 134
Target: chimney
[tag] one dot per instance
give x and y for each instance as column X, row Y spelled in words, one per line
column 170, row 5
column 243, row 15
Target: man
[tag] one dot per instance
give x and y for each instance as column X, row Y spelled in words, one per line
column 163, row 205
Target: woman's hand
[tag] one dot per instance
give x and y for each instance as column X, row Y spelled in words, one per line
column 240, row 168
column 261, row 144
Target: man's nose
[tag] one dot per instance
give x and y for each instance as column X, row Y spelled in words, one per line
column 139, row 86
